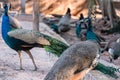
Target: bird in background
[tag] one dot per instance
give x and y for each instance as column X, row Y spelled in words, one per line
column 24, row 40
column 113, row 48
column 63, row 24
column 90, row 34
column 81, row 27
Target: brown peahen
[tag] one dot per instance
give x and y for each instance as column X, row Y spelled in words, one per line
column 113, row 47
column 63, row 24
column 75, row 62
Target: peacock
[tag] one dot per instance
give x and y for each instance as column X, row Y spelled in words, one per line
column 63, row 24
column 23, row 40
column 90, row 35
column 81, row 27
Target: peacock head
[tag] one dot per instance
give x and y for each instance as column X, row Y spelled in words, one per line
column 6, row 9
column 89, row 24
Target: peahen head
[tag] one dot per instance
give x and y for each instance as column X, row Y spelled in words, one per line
column 68, row 11
column 6, row 9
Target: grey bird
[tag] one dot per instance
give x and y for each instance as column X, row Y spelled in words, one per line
column 63, row 24
column 113, row 48
column 75, row 62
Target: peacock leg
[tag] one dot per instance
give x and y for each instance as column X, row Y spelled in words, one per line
column 20, row 56
column 30, row 55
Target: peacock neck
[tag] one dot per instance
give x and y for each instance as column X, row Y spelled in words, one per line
column 5, row 25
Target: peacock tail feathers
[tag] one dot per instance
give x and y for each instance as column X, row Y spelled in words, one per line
column 56, row 47
column 54, row 27
column 107, row 70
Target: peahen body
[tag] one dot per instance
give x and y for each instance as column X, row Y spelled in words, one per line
column 113, row 47
column 24, row 40
column 75, row 62
column 63, row 24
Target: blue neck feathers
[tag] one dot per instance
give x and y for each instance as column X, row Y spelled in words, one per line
column 5, row 25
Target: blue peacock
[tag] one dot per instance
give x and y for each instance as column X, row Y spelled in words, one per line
column 23, row 40
column 63, row 24
column 90, row 35
column 81, row 27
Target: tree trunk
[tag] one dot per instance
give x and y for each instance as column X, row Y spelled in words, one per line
column 23, row 6
column 36, row 15
column 108, row 11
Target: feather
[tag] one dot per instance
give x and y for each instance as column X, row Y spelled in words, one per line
column 28, row 36
column 14, row 22
column 106, row 70
column 56, row 47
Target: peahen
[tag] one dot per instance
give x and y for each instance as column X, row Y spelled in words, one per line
column 63, row 24
column 75, row 62
column 113, row 47
column 23, row 40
